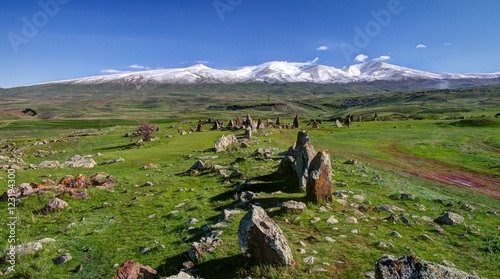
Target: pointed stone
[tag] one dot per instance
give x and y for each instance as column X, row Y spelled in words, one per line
column 319, row 183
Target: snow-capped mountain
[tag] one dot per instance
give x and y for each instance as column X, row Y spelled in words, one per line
column 274, row 72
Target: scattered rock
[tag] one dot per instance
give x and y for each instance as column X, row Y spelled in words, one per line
column 199, row 165
column 293, row 207
column 49, row 165
column 117, row 160
column 389, row 267
column 78, row 161
column 102, row 180
column 224, row 142
column 396, row 234
column 205, row 245
column 62, row 259
column 351, row 162
column 150, row 166
column 228, row 214
column 332, row 220
column 352, row 220
column 262, row 241
column 359, row 198
column 385, row 245
column 134, row 270
column 389, row 208
column 309, row 260
column 425, row 237
column 449, row 218
column 247, row 196
column 56, row 204
column 315, row 220
column 181, row 275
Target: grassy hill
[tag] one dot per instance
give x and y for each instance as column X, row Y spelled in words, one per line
column 440, row 146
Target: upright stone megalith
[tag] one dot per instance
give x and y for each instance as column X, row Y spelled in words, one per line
column 319, row 182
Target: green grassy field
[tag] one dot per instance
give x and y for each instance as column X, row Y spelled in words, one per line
column 436, row 158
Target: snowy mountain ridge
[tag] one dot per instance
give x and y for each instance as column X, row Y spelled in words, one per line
column 274, row 72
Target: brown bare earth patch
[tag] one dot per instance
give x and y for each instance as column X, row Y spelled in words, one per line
column 438, row 172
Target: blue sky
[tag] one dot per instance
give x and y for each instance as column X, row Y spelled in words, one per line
column 60, row 39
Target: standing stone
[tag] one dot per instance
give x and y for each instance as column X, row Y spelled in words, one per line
column 315, row 124
column 338, row 124
column 262, row 241
column 295, row 166
column 134, row 270
column 319, row 183
column 278, row 121
column 296, row 121
column 248, row 133
column 200, row 127
column 239, row 122
column 216, row 126
column 260, row 124
column 248, row 121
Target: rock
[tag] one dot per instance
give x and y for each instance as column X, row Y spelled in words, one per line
column 205, row 245
column 228, row 214
column 181, row 275
column 351, row 162
column 296, row 121
column 389, row 208
column 150, row 166
column 56, row 204
column 309, row 260
column 329, row 239
column 248, row 133
column 28, row 248
column 449, row 218
column 385, row 245
column 134, row 270
column 425, row 237
column 199, row 165
column 148, row 184
column 351, row 220
column 396, row 234
column 262, row 241
column 295, row 166
column 319, row 181
column 332, row 220
column 192, row 221
column 293, row 207
column 389, row 267
column 247, row 196
column 224, row 142
column 49, row 165
column 359, row 198
column 369, row 274
column 117, row 160
column 102, row 180
column 78, row 161
column 62, row 259
column 315, row 220
column 341, row 194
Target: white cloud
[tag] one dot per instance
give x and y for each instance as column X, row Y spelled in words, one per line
column 322, row 48
column 447, row 44
column 135, row 66
column 361, row 57
column 112, row 71
column 421, row 46
column 383, row 58
column 201, row 62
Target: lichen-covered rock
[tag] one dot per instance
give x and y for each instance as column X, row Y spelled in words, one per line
column 49, row 165
column 262, row 241
column 134, row 270
column 78, row 161
column 102, row 180
column 449, row 218
column 294, row 207
column 224, row 142
column 319, row 182
column 56, row 204
column 407, row 267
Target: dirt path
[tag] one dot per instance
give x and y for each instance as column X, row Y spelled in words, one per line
column 438, row 172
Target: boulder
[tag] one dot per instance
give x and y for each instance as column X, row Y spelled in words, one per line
column 199, row 165
column 319, row 182
column 62, row 259
column 56, row 204
column 102, row 180
column 181, row 275
column 406, row 267
column 49, row 165
column 449, row 218
column 134, row 270
column 293, row 207
column 224, row 142
column 78, row 161
column 262, row 241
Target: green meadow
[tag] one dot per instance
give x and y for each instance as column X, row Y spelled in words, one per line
column 441, row 146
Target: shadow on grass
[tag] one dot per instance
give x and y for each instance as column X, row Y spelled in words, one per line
column 218, row 268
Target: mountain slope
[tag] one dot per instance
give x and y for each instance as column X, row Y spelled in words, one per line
column 274, row 72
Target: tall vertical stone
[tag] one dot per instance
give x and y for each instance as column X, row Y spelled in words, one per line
column 296, row 121
column 319, row 181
